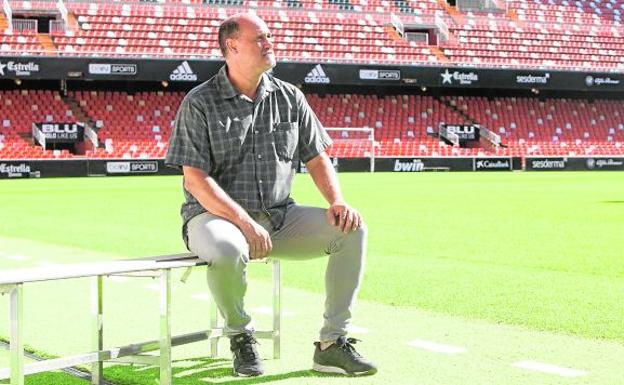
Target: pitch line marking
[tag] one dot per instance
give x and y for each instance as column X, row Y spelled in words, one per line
column 17, row 257
column 201, row 297
column 116, row 278
column 269, row 311
column 48, row 264
column 549, row 369
column 152, row 287
column 357, row 329
column 436, row 347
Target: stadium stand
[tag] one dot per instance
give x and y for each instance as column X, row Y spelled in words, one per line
column 544, row 34
column 564, row 127
column 130, row 126
column 139, row 125
column 19, row 109
column 537, row 35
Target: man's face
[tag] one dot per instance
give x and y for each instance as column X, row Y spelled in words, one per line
column 253, row 47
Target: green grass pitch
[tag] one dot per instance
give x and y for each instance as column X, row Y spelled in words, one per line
column 539, row 253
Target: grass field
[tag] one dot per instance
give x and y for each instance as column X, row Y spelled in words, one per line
column 510, row 264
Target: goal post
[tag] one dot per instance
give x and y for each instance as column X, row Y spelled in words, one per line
column 354, row 142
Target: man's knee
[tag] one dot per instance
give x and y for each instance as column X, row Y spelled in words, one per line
column 224, row 253
column 361, row 232
column 230, row 254
column 358, row 236
column 219, row 244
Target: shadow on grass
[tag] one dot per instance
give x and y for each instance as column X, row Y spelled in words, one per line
column 195, row 371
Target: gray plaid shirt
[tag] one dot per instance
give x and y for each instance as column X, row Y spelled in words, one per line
column 251, row 148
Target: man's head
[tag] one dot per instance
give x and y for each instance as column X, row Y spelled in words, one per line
column 246, row 41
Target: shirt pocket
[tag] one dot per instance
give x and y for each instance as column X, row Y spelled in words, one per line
column 226, row 143
column 286, row 136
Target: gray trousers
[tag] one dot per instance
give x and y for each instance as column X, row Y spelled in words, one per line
column 305, row 234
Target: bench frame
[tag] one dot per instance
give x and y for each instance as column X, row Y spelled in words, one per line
column 157, row 267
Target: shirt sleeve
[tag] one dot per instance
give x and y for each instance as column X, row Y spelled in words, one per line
column 313, row 139
column 189, row 144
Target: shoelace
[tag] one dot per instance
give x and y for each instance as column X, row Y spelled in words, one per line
column 246, row 347
column 348, row 347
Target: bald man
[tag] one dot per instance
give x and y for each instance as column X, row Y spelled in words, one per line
column 238, row 139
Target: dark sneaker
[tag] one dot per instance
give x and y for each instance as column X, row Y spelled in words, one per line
column 342, row 358
column 247, row 362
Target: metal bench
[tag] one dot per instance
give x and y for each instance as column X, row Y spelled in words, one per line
column 12, row 282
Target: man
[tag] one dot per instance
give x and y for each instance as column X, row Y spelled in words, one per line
column 238, row 138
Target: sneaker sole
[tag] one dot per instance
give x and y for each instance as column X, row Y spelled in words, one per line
column 336, row 370
column 237, row 374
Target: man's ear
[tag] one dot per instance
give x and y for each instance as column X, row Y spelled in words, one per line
column 231, row 45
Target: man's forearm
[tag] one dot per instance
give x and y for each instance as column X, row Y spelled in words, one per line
column 324, row 177
column 212, row 197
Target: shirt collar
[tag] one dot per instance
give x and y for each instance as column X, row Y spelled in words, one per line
column 267, row 84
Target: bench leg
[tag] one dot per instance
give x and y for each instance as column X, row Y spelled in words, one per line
column 165, row 328
column 214, row 324
column 17, row 335
column 277, row 311
column 97, row 342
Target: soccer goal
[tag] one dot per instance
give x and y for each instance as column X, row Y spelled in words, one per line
column 353, row 142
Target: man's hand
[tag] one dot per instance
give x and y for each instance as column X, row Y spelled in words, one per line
column 258, row 238
column 344, row 216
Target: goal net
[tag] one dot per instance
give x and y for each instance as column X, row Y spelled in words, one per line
column 353, row 142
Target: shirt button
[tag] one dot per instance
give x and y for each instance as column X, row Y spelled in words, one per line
column 260, row 181
column 256, row 132
column 259, row 156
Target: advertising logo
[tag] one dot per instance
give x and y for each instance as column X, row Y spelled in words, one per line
column 533, row 79
column 144, row 167
column 19, row 69
column 380, row 74
column 112, row 69
column 463, row 131
column 407, row 166
column 118, row 167
column 131, row 167
column 317, row 75
column 493, row 164
column 62, row 132
column 183, row 73
column 549, row 164
column 457, row 77
column 605, row 163
column 14, row 170
column 591, row 81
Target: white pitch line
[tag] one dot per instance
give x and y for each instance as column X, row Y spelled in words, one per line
column 152, row 287
column 269, row 311
column 201, row 297
column 436, row 347
column 357, row 329
column 144, row 368
column 17, row 257
column 204, row 367
column 550, row 369
column 48, row 264
column 116, row 278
